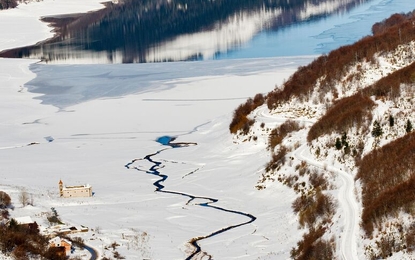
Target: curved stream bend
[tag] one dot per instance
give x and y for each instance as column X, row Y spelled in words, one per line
column 154, row 170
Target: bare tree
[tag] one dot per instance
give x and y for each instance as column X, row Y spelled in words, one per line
column 24, row 197
column 32, row 200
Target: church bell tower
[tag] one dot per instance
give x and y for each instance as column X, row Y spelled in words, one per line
column 61, row 188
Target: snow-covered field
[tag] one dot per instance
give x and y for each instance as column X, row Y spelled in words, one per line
column 104, row 120
column 94, row 140
column 96, row 133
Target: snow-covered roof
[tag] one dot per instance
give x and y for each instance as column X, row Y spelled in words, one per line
column 76, row 187
column 24, row 220
column 59, row 240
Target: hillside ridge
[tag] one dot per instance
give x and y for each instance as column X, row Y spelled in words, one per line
column 351, row 113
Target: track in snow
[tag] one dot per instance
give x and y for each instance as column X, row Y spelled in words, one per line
column 346, row 197
column 348, row 203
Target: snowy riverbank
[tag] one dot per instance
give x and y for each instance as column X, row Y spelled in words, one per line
column 103, row 117
column 95, row 139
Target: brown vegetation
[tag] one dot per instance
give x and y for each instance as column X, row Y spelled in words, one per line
column 25, row 242
column 277, row 159
column 5, row 200
column 279, row 133
column 394, row 20
column 410, row 238
column 345, row 113
column 317, row 180
column 330, row 68
column 388, row 181
column 300, row 83
column 387, row 174
column 389, row 86
column 312, row 246
column 6, row 4
column 314, row 209
column 240, row 121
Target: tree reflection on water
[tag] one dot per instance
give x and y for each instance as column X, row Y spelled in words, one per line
column 133, row 31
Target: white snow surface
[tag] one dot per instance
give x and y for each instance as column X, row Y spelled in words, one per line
column 94, row 138
column 21, row 26
column 85, row 123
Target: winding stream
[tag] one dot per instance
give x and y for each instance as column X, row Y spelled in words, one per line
column 155, row 170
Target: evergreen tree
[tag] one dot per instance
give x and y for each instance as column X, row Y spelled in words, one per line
column 338, row 144
column 391, row 121
column 377, row 129
column 408, row 126
column 344, row 140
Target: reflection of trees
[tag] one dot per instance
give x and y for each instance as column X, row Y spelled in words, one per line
column 6, row 4
column 132, row 26
column 137, row 25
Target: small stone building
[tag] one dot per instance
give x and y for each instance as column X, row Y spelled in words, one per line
column 60, row 242
column 75, row 191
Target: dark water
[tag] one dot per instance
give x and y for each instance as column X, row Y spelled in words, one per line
column 134, row 31
column 157, row 169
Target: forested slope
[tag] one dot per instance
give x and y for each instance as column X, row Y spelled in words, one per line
column 353, row 109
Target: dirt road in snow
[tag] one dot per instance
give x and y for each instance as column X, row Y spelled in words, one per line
column 346, row 198
column 347, row 202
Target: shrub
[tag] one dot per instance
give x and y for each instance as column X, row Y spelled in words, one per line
column 313, row 247
column 410, row 238
column 5, row 200
column 79, row 242
column 279, row 133
column 6, row 4
column 24, row 198
column 277, row 159
column 312, row 208
column 118, row 255
column 318, row 180
column 240, row 120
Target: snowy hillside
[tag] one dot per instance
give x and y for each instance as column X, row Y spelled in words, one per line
column 170, row 181
column 339, row 132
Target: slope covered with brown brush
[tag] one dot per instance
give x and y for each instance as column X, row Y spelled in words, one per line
column 372, row 121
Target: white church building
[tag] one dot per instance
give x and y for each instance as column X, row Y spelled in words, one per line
column 75, row 191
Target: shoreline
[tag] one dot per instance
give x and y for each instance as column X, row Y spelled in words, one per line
column 22, row 26
column 93, row 141
column 58, row 24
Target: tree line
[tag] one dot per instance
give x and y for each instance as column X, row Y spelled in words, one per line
column 7, row 4
column 326, row 71
column 388, row 181
column 24, row 242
